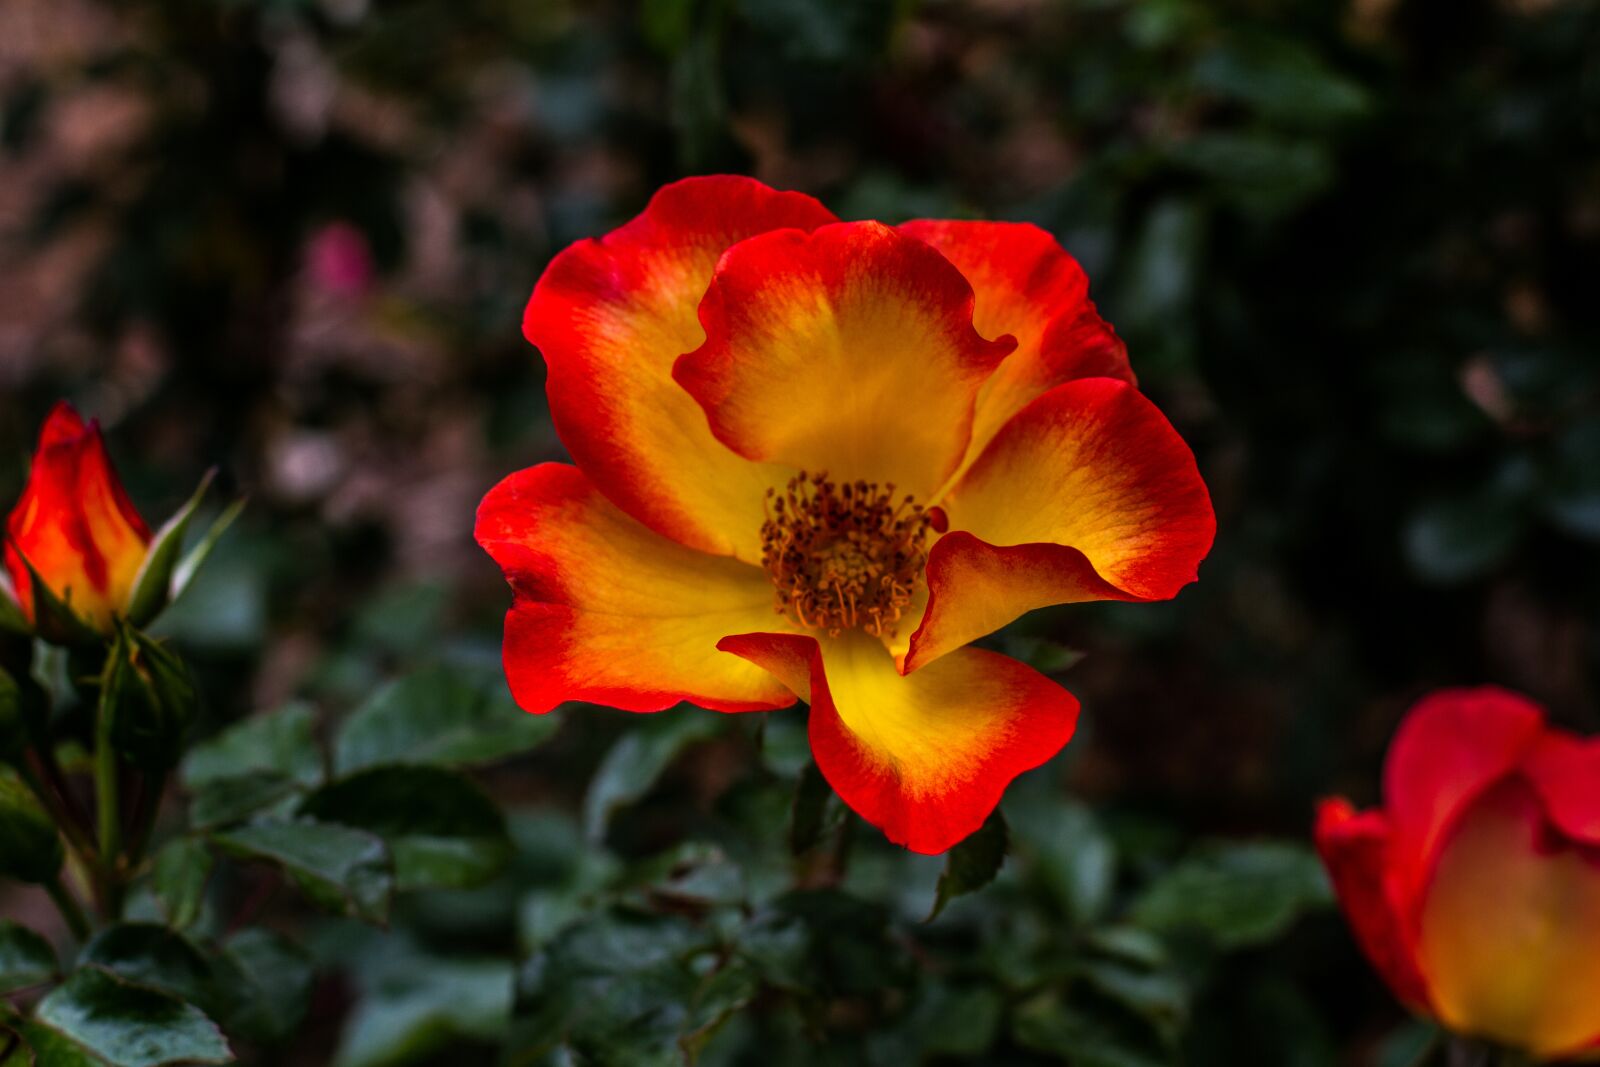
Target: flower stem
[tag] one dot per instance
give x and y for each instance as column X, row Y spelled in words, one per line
column 69, row 908
column 109, row 815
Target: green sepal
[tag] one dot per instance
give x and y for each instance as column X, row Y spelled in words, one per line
column 190, row 565
column 152, row 586
column 12, row 620
column 151, row 700
column 53, row 618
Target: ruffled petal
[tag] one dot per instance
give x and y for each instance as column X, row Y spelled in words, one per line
column 1509, row 925
column 1356, row 849
column 848, row 350
column 925, row 758
column 608, row 612
column 612, row 315
column 1027, row 286
column 1088, row 493
column 1452, row 745
column 75, row 524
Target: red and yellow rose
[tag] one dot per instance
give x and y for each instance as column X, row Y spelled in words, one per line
column 815, row 460
column 1475, row 889
column 78, row 556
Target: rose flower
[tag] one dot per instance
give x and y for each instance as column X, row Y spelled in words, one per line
column 815, row 460
column 1475, row 889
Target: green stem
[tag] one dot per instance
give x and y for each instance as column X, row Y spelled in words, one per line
column 69, row 908
column 109, row 815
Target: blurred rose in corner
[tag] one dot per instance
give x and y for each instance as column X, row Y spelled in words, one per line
column 1475, row 888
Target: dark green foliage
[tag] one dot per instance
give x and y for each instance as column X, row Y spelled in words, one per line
column 26, row 959
column 130, row 1025
column 30, row 850
column 440, row 828
column 343, row 869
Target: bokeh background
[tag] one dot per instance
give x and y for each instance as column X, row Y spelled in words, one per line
column 1354, row 248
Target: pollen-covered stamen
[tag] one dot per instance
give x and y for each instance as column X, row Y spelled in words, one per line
column 843, row 557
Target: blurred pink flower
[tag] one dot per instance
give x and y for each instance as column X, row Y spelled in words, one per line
column 339, row 260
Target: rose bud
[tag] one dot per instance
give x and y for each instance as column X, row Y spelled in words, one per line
column 77, row 553
column 1475, row 888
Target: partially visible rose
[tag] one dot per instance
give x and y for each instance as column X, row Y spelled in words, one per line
column 1475, row 889
column 75, row 526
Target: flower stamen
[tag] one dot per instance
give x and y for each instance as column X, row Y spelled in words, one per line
column 843, row 557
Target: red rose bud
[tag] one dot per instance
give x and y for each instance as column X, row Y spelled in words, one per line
column 74, row 528
column 1475, row 889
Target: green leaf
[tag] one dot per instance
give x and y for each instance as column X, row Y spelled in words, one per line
column 452, row 998
column 266, row 984
column 973, row 863
column 1081, row 1038
column 625, row 988
column 443, row 830
column 178, row 877
column 1261, row 175
column 232, row 800
column 26, row 959
column 636, row 761
column 1280, row 78
column 413, row 1002
column 130, row 1025
column 43, row 1047
column 1236, row 895
column 30, row 850
column 281, row 741
column 1065, row 848
column 437, row 716
column 152, row 586
column 341, row 868
column 153, row 956
column 1160, row 998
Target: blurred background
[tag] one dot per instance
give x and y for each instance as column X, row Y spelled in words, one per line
column 1354, row 248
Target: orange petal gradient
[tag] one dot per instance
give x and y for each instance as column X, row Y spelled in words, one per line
column 925, row 758
column 609, row 612
column 1509, row 928
column 75, row 524
column 1027, row 286
column 848, row 350
column 612, row 315
column 1088, row 493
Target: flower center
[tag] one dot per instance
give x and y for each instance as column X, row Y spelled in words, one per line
column 843, row 556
